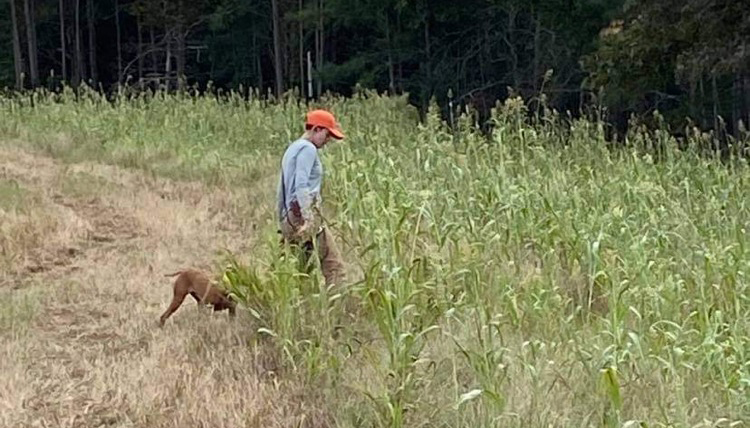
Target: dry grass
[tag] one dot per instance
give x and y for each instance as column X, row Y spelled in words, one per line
column 81, row 346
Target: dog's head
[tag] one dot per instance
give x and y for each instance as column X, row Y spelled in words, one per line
column 225, row 302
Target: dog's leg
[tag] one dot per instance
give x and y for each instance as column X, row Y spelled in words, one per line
column 179, row 296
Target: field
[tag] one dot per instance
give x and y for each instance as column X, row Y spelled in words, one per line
column 538, row 277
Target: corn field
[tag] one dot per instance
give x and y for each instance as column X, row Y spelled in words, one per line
column 536, row 276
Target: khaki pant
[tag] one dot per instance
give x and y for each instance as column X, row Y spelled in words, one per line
column 317, row 237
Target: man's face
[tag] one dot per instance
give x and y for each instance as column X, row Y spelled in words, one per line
column 320, row 137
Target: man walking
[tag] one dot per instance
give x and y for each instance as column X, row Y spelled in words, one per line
column 299, row 194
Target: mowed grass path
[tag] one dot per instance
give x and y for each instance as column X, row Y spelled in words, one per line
column 536, row 278
column 85, row 249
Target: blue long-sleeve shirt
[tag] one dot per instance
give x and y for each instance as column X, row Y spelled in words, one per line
column 301, row 178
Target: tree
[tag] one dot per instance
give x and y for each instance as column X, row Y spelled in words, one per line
column 79, row 71
column 28, row 7
column 279, row 72
column 119, row 43
column 91, row 24
column 301, row 50
column 17, row 55
column 320, row 43
column 178, row 19
column 685, row 58
column 139, row 53
column 62, row 40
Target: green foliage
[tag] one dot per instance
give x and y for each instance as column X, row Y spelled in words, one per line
column 477, row 47
column 679, row 57
column 685, row 58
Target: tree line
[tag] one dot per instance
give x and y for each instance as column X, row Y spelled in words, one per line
column 685, row 58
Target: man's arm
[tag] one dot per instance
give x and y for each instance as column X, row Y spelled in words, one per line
column 305, row 160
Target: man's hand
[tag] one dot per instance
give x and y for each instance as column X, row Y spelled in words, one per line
column 302, row 229
column 296, row 210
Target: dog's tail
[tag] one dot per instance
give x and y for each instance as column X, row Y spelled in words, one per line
column 169, row 275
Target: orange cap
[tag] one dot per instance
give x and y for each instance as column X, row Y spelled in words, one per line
column 326, row 120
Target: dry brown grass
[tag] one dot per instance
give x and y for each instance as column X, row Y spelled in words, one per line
column 81, row 347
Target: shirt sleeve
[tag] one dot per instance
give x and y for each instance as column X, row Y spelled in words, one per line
column 304, row 164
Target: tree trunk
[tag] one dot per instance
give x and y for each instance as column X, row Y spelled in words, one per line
column 28, row 6
column 400, row 64
column 277, row 48
column 737, row 94
column 317, row 55
column 119, row 43
column 154, row 60
column 168, row 64
column 511, row 42
column 180, row 58
column 180, row 51
column 140, row 52
column 258, row 65
column 286, row 52
column 742, row 99
column 486, row 55
column 391, row 72
column 715, row 93
column 62, row 41
column 301, row 52
column 537, row 53
column 17, row 56
column 428, row 55
column 234, row 57
column 703, row 119
column 79, row 73
column 90, row 16
column 309, row 76
column 693, row 102
column 320, row 46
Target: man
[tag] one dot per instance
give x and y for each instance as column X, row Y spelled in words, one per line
column 299, row 194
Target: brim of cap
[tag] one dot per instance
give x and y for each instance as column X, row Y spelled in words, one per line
column 336, row 133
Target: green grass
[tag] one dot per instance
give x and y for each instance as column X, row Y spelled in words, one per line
column 537, row 278
column 12, row 195
column 17, row 310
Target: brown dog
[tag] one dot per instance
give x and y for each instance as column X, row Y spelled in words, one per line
column 198, row 285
